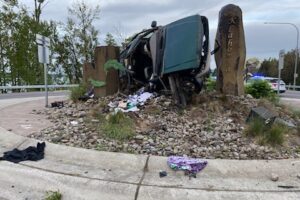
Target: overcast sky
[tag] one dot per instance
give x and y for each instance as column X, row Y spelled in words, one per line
column 131, row 16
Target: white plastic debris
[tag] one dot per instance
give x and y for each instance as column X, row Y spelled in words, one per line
column 74, row 123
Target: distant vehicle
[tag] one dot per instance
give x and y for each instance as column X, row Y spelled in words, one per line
column 273, row 82
column 172, row 57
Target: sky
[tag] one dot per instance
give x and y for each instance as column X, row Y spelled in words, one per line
column 131, row 16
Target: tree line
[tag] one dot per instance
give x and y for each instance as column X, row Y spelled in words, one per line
column 269, row 67
column 71, row 43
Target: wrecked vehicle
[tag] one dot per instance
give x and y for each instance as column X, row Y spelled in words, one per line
column 174, row 57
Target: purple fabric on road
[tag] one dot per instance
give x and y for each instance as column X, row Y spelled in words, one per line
column 191, row 165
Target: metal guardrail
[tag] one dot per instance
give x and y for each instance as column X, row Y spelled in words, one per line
column 291, row 87
column 37, row 86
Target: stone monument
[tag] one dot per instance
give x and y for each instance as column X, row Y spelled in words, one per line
column 230, row 51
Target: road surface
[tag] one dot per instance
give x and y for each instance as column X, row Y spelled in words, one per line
column 33, row 94
column 291, row 94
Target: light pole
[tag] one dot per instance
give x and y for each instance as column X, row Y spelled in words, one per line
column 297, row 47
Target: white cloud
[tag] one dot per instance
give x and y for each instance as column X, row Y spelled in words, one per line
column 134, row 15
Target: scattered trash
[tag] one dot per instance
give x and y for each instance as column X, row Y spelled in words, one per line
column 26, row 126
column 89, row 95
column 162, row 174
column 132, row 102
column 191, row 166
column 274, row 177
column 30, row 153
column 74, row 123
column 57, row 104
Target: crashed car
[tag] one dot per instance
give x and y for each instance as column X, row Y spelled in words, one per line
column 174, row 57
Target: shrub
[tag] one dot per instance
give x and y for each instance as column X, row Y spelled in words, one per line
column 77, row 92
column 53, row 195
column 255, row 128
column 118, row 126
column 210, row 84
column 259, row 89
column 266, row 134
column 275, row 135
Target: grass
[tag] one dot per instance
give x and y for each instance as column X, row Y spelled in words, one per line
column 53, row 195
column 77, row 92
column 118, row 126
column 266, row 134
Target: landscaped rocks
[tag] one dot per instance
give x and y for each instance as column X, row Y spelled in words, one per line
column 212, row 127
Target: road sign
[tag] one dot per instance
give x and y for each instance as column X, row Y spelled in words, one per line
column 281, row 59
column 43, row 48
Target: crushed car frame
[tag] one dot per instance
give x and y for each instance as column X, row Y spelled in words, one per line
column 172, row 57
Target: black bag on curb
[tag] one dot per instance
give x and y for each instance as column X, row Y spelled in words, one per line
column 30, row 153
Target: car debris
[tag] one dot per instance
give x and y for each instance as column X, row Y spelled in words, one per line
column 191, row 166
column 174, row 57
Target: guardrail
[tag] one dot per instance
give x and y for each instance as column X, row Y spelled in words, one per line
column 36, row 86
column 291, row 87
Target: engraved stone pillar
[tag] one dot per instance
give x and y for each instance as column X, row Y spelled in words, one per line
column 230, row 58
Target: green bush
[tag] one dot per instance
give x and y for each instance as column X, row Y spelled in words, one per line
column 259, row 89
column 210, row 84
column 118, row 126
column 53, row 195
column 77, row 92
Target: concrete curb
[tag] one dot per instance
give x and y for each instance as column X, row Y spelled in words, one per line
column 77, row 173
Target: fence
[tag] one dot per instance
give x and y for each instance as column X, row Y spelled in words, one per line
column 291, row 87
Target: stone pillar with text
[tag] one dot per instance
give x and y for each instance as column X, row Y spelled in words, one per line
column 231, row 51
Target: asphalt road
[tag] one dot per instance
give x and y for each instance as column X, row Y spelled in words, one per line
column 32, row 94
column 291, row 94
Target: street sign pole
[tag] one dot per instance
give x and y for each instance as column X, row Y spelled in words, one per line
column 280, row 67
column 43, row 55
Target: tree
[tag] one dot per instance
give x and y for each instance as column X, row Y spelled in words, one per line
column 269, row 67
column 18, row 48
column 252, row 65
column 109, row 40
column 76, row 46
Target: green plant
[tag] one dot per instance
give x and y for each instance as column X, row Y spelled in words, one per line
column 210, row 84
column 53, row 195
column 259, row 89
column 113, row 64
column 77, row 92
column 255, row 128
column 118, row 126
column 97, row 83
column 275, row 135
column 266, row 134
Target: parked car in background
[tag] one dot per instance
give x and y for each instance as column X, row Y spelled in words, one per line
column 273, row 82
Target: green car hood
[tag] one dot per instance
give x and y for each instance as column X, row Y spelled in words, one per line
column 183, row 44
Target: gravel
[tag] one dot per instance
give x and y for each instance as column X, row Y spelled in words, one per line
column 211, row 127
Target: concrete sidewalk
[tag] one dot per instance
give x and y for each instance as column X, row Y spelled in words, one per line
column 88, row 174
